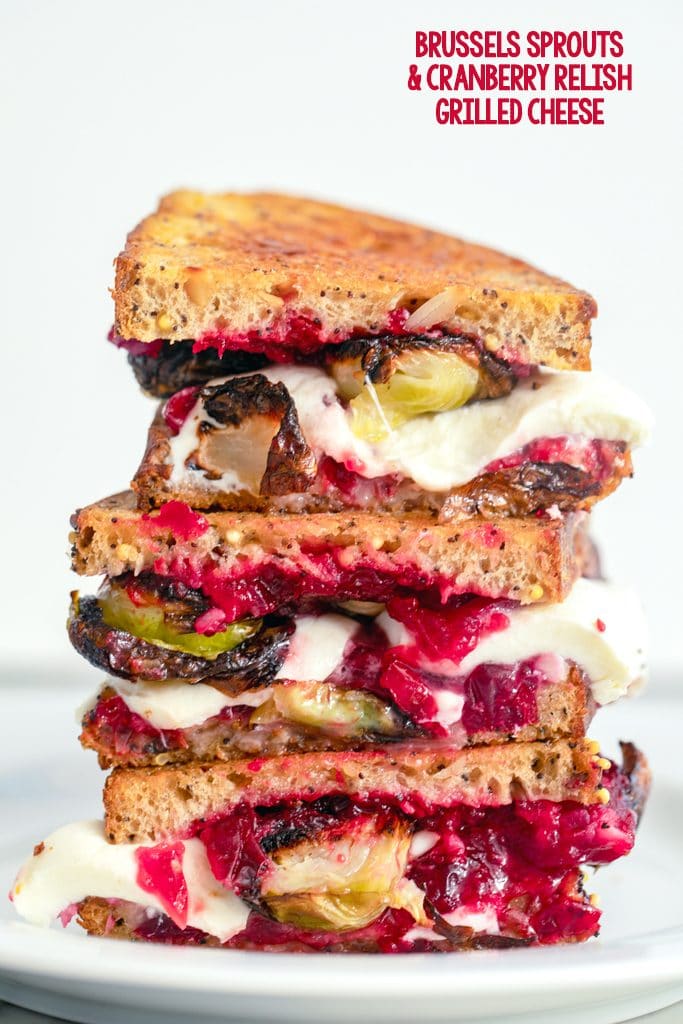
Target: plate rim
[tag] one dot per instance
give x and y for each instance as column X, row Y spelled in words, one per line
column 651, row 959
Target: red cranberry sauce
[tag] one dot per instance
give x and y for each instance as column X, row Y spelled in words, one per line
column 136, row 348
column 178, row 407
column 122, row 731
column 449, row 631
column 502, row 698
column 519, row 861
column 522, row 861
column 495, row 698
column 176, row 516
column 595, row 457
column 252, row 590
column 210, row 622
column 293, row 335
column 160, row 928
column 335, row 480
column 160, row 873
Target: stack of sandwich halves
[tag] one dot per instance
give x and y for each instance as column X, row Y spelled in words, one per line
column 352, row 630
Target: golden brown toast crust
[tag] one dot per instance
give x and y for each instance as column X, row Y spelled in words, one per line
column 144, row 804
column 527, row 560
column 234, row 263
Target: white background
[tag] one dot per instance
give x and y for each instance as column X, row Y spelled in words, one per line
column 105, row 107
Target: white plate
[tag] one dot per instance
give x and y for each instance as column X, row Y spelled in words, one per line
column 636, row 966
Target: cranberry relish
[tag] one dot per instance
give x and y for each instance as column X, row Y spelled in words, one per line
column 321, row 571
column 200, row 599
column 518, row 864
column 296, row 334
column 295, row 337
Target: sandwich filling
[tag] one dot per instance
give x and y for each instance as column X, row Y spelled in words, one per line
column 472, row 671
column 438, row 433
column 164, row 367
column 342, row 873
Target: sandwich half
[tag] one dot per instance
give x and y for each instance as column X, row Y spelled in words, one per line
column 437, row 850
column 210, row 285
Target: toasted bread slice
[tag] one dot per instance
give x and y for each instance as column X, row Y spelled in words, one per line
column 144, row 804
column 326, row 554
column 563, row 710
column 256, row 270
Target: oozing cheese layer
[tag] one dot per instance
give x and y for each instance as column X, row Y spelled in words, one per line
column 76, row 861
column 439, row 451
column 599, row 626
column 179, row 705
column 317, row 647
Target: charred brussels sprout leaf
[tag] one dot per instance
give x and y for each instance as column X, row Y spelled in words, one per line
column 330, row 709
column 154, row 623
column 423, row 381
column 343, row 881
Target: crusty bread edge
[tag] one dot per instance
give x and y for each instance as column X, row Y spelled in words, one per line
column 150, row 804
column 526, row 559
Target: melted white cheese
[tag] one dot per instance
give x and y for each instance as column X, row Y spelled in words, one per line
column 449, row 707
column 419, row 932
column 479, row 920
column 421, row 843
column 613, row 658
column 447, row 449
column 77, row 861
column 317, row 647
column 176, row 704
column 442, row 450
